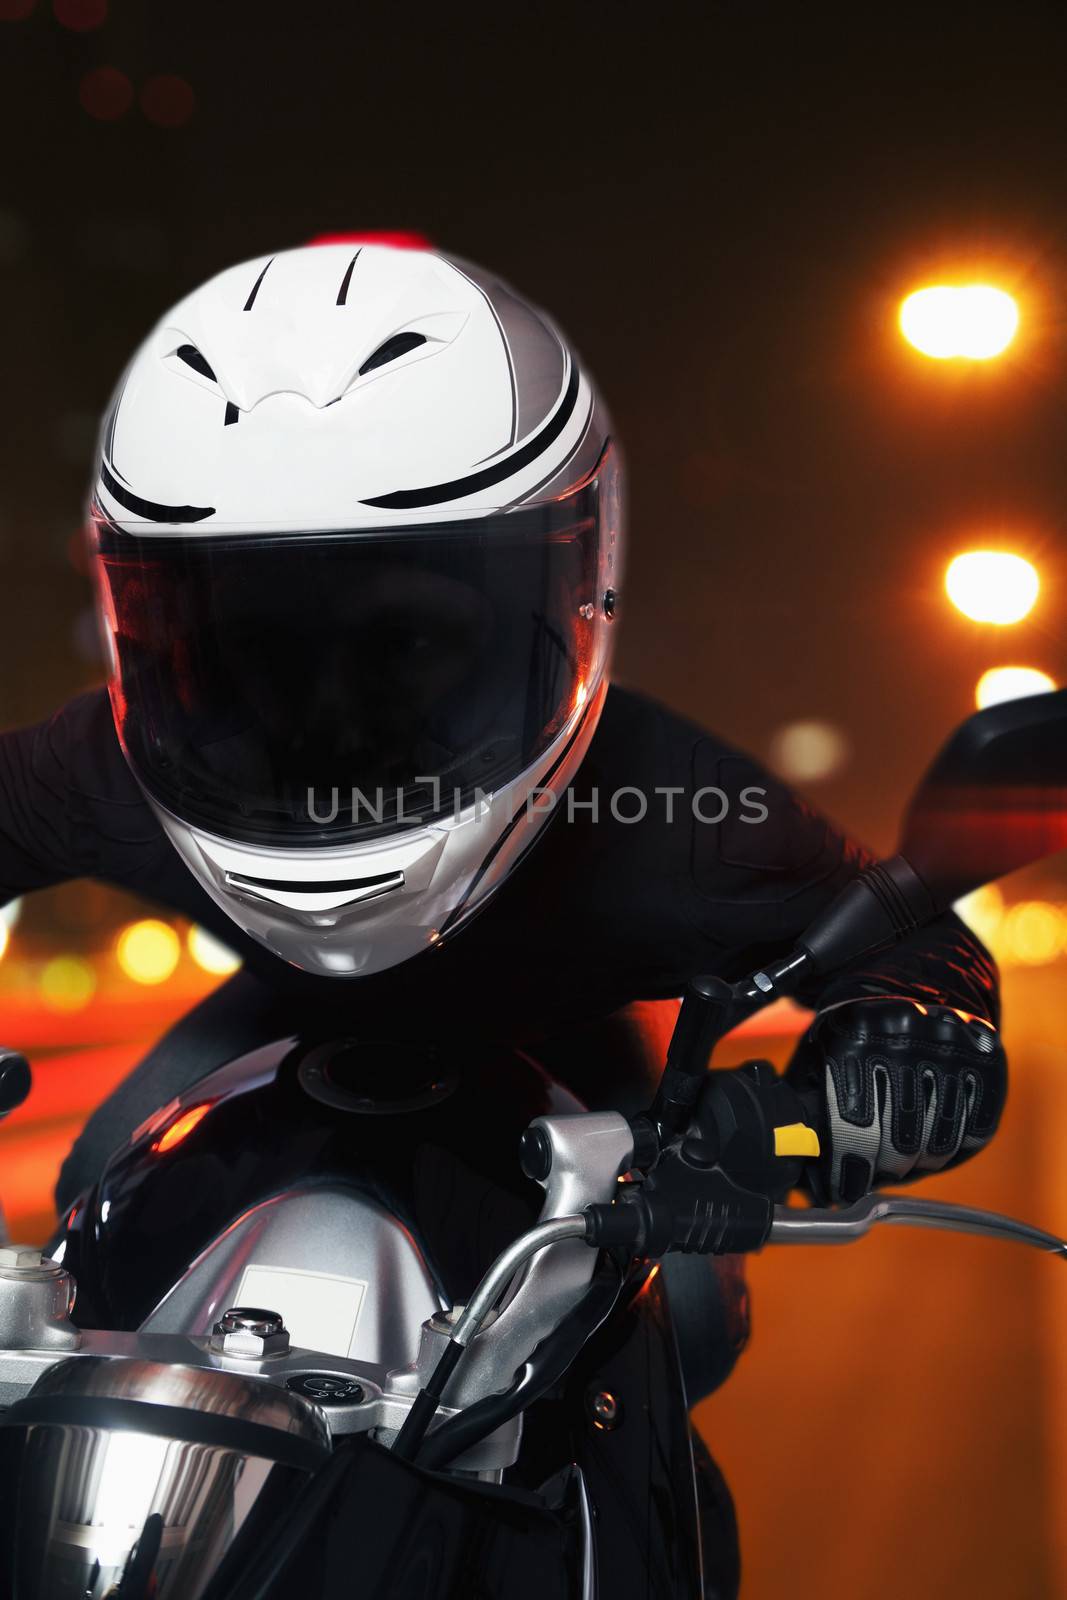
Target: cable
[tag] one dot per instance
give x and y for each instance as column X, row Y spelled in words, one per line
column 544, row 1367
column 467, row 1428
column 507, row 1264
column 470, row 1319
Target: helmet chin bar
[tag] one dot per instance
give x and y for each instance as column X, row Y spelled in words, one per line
column 352, row 911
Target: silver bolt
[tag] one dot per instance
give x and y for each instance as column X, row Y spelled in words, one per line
column 36, row 1299
column 250, row 1333
column 20, row 1257
column 248, row 1319
column 605, row 1409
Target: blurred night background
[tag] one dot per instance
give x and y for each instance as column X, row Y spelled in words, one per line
column 724, row 205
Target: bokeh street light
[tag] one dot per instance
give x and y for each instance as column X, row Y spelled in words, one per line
column 209, row 953
column 992, row 586
column 148, row 951
column 970, row 322
column 67, row 983
column 1010, row 683
column 983, row 911
column 1031, row 933
column 809, row 751
column 1034, row 933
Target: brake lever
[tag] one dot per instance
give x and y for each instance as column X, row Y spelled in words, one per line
column 852, row 1222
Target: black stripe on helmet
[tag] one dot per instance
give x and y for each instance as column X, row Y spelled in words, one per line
column 151, row 509
column 342, row 293
column 250, row 302
column 436, row 494
column 507, row 350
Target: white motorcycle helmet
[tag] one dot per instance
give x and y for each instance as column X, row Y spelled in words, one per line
column 358, row 535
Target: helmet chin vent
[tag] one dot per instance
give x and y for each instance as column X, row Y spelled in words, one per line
column 392, row 350
column 282, row 891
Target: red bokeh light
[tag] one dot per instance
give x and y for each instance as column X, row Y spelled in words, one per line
column 168, row 100
column 80, row 15
column 15, row 10
column 106, row 94
column 398, row 241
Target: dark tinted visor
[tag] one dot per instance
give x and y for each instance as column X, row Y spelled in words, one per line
column 317, row 688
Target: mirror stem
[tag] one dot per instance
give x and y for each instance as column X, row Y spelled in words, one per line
column 708, row 1010
column 879, row 908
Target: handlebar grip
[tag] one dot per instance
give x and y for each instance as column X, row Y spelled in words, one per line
column 16, row 1080
column 721, row 1220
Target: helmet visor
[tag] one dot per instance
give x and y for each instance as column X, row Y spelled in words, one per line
column 324, row 687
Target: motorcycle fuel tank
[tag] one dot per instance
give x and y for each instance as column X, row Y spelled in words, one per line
column 355, row 1187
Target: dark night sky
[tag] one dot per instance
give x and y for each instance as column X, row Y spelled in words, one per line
column 721, row 204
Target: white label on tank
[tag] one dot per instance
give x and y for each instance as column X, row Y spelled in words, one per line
column 320, row 1310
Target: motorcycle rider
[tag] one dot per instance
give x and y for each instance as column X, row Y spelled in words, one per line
column 358, row 525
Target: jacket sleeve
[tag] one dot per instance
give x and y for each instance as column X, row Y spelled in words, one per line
column 69, row 806
column 778, row 874
column 941, row 964
column 39, row 844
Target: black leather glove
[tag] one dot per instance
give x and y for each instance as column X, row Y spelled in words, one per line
column 907, row 1089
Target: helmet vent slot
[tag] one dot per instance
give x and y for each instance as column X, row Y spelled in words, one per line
column 392, row 349
column 192, row 358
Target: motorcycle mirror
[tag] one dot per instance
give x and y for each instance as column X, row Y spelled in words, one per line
column 994, row 799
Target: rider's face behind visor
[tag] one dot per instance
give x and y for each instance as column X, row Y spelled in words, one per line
column 257, row 674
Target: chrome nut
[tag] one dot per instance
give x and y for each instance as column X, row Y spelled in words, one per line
column 250, row 1334
column 20, row 1257
column 36, row 1300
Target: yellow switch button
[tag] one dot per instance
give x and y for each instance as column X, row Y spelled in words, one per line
column 796, row 1139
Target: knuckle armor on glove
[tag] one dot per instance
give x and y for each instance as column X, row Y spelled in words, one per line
column 909, row 1089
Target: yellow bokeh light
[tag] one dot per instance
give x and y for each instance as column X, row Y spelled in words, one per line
column 972, row 321
column 983, row 912
column 809, row 751
column 992, row 586
column 67, row 983
column 1034, row 932
column 148, row 951
column 5, row 939
column 210, row 953
column 1010, row 683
